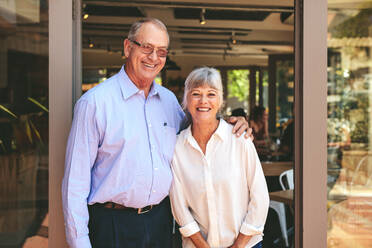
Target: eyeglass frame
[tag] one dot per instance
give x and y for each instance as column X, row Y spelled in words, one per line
column 153, row 48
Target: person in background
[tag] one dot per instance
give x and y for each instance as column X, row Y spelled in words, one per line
column 286, row 147
column 258, row 121
column 117, row 168
column 239, row 112
column 219, row 195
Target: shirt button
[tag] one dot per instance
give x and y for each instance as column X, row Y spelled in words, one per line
column 156, row 168
column 150, row 125
column 154, row 191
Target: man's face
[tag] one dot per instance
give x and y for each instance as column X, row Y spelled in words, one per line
column 142, row 68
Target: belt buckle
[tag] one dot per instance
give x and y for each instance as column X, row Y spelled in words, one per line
column 144, row 209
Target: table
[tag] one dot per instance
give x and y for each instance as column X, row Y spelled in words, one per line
column 285, row 196
column 275, row 168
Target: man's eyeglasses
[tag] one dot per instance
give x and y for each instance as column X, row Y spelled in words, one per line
column 149, row 49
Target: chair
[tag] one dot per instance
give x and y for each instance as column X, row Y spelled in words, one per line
column 289, row 179
column 279, row 207
column 357, row 169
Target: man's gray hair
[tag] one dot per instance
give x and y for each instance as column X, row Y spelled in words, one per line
column 133, row 31
column 204, row 76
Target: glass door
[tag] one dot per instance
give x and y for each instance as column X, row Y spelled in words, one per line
column 24, row 113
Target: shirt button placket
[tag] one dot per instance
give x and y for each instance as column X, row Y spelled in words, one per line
column 211, row 200
column 152, row 146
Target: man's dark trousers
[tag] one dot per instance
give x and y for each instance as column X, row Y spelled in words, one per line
column 118, row 228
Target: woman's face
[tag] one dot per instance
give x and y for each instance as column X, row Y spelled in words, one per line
column 203, row 103
column 265, row 116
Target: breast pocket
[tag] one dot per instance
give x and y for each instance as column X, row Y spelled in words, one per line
column 168, row 142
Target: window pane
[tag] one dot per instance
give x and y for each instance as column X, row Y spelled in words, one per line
column 23, row 119
column 349, row 127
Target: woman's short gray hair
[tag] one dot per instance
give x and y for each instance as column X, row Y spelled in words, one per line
column 133, row 31
column 204, row 76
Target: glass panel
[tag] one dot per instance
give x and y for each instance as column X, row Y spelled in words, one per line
column 23, row 119
column 349, row 128
column 92, row 77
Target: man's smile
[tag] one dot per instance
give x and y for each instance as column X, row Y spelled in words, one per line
column 149, row 65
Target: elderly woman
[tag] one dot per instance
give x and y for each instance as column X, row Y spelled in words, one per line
column 219, row 195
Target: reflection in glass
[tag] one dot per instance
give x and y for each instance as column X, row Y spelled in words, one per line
column 349, row 129
column 23, row 119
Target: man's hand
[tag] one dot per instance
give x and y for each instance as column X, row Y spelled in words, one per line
column 241, row 126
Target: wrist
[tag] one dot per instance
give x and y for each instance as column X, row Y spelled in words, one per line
column 242, row 240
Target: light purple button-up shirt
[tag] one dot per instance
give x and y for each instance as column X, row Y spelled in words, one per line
column 119, row 150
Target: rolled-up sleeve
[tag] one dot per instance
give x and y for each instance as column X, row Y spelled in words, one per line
column 258, row 205
column 180, row 210
column 81, row 153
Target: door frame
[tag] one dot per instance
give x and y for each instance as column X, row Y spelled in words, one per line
column 310, row 110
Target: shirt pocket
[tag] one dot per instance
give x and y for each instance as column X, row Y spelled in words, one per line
column 168, row 142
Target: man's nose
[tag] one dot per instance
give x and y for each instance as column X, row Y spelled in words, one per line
column 153, row 55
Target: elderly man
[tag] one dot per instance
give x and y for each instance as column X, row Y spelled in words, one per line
column 117, row 171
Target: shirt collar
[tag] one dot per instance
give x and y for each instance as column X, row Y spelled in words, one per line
column 128, row 88
column 221, row 132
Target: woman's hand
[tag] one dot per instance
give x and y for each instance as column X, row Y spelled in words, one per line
column 199, row 241
column 241, row 126
column 241, row 241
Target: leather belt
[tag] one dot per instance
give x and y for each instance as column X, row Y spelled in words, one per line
column 113, row 205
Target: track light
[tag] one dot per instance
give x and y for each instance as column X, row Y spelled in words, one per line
column 202, row 17
column 233, row 39
column 85, row 14
column 91, row 44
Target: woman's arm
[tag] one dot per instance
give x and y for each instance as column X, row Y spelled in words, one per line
column 180, row 206
column 199, row 241
column 258, row 205
column 241, row 241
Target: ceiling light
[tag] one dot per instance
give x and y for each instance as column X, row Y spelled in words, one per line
column 202, row 17
column 85, row 14
column 90, row 43
column 233, row 39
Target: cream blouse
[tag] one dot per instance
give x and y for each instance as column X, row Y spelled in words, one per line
column 220, row 193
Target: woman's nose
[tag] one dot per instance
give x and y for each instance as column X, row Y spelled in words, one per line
column 203, row 99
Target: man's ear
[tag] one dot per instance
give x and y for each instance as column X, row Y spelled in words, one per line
column 127, row 47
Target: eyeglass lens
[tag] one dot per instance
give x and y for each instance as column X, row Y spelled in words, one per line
column 148, row 49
